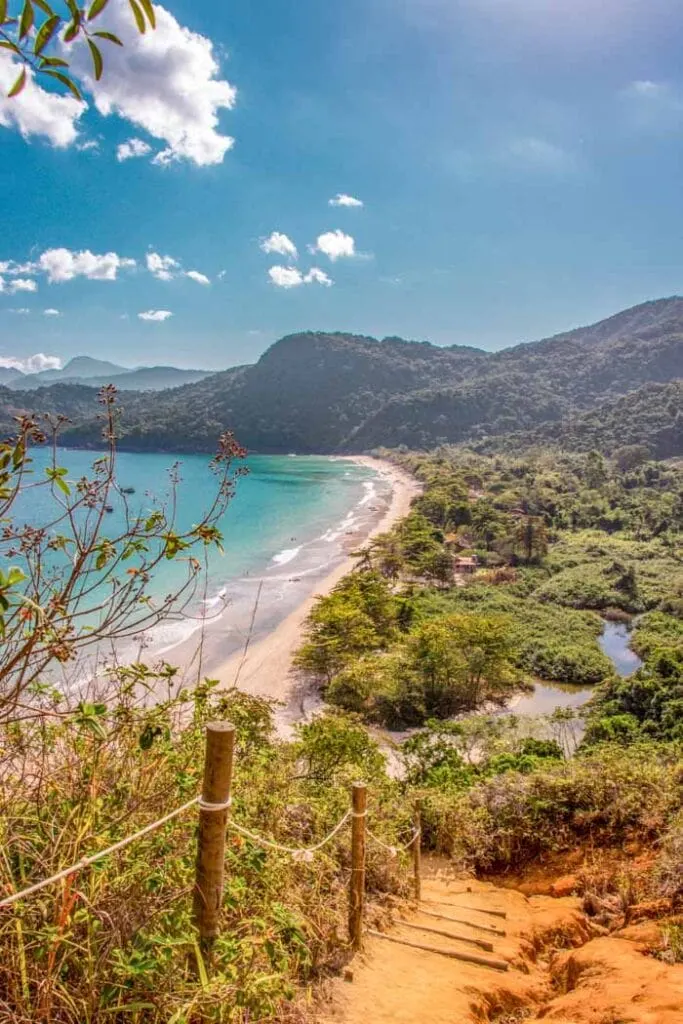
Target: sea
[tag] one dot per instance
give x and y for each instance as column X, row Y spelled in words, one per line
column 291, row 520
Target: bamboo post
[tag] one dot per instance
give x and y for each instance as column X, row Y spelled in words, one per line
column 208, row 894
column 417, row 850
column 359, row 801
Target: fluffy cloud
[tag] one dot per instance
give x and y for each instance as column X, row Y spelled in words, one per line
column 280, row 244
column 155, row 315
column 194, row 275
column 335, row 245
column 341, row 199
column 165, row 82
column 63, row 265
column 131, row 149
column 318, row 276
column 19, row 284
column 35, row 111
column 51, row 312
column 32, row 364
column 290, row 277
column 20, row 312
column 164, row 268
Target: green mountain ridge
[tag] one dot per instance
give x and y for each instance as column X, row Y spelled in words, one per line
column 318, row 392
column 96, row 372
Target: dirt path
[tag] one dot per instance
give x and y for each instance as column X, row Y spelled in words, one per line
column 556, row 969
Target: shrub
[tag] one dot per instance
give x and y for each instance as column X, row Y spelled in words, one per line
column 603, row 795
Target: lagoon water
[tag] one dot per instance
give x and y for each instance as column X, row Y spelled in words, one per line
column 288, row 519
column 614, row 642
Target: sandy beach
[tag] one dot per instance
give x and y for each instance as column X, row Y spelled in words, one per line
column 266, row 668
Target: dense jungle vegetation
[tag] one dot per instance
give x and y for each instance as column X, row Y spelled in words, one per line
column 319, row 392
column 558, row 542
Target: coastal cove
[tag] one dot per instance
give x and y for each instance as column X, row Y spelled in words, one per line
column 288, row 533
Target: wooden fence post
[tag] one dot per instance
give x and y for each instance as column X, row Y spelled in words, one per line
column 208, row 894
column 417, row 849
column 357, row 891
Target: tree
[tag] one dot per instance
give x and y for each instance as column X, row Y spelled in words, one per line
column 630, row 456
column 31, row 45
column 68, row 586
column 595, row 472
column 358, row 617
column 531, row 537
column 461, row 661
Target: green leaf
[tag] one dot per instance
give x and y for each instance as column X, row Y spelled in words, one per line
column 7, row 45
column 71, row 86
column 18, row 85
column 96, row 59
column 26, row 20
column 201, row 966
column 3, row 11
column 109, row 36
column 138, row 15
column 54, row 62
column 45, row 7
column 96, row 8
column 72, row 31
column 46, row 32
column 63, row 486
column 149, row 11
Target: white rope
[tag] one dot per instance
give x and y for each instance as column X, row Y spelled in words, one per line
column 87, row 861
column 205, row 805
column 297, row 853
column 394, row 851
column 304, row 853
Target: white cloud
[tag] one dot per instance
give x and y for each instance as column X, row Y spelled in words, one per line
column 20, row 312
column 35, row 111
column 12, row 267
column 51, row 312
column 32, row 364
column 89, row 144
column 63, row 265
column 132, row 148
column 19, row 284
column 155, row 315
column 654, row 106
column 335, row 245
column 194, row 275
column 165, row 82
column 529, row 153
column 280, row 244
column 341, row 199
column 285, row 277
column 164, row 268
column 290, row 277
column 318, row 276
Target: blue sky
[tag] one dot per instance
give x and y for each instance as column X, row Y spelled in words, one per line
column 519, row 163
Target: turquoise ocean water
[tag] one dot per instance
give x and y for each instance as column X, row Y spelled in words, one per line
column 284, row 529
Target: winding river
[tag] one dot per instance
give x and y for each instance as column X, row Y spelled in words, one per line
column 614, row 642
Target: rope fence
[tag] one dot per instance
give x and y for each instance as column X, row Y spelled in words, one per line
column 214, row 804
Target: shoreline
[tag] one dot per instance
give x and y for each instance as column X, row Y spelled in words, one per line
column 266, row 669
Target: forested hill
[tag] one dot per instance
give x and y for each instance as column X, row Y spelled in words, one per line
column 651, row 416
column 316, row 392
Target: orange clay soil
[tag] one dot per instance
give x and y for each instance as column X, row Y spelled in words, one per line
column 560, row 967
